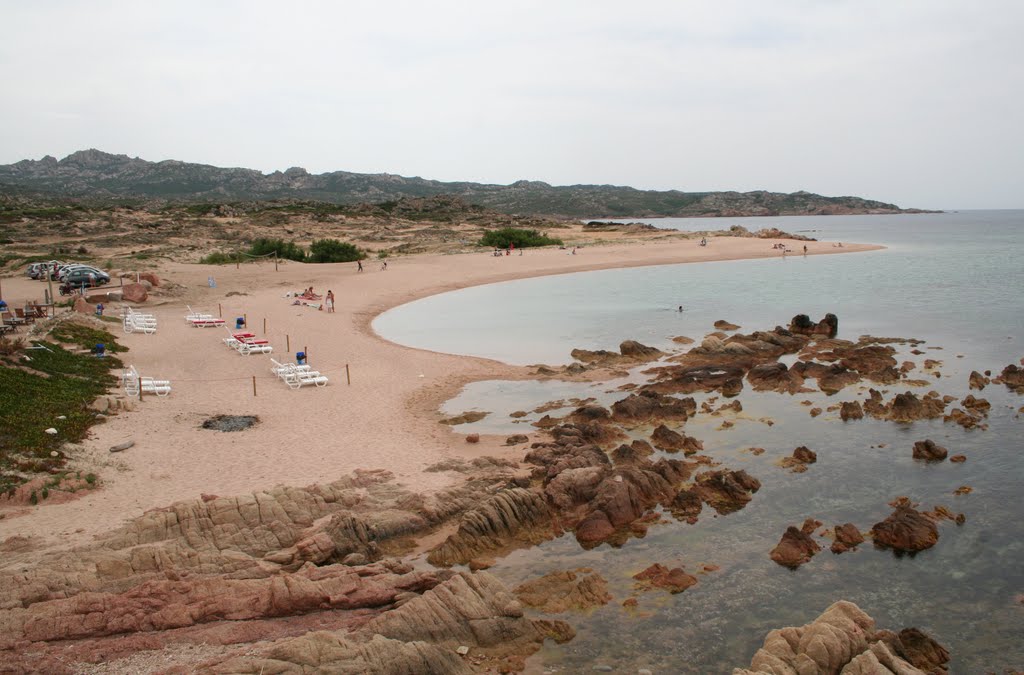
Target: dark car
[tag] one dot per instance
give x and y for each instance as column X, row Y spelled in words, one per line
column 87, row 278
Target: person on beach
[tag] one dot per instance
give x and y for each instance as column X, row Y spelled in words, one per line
column 384, row 266
column 360, row 265
column 329, row 301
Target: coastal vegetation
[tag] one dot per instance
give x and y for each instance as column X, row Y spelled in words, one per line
column 517, row 238
column 49, row 384
column 320, row 251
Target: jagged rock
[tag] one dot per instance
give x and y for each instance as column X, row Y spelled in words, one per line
column 650, row 406
column 674, row 580
column 722, row 324
column 905, row 407
column 82, row 306
column 906, row 530
column 775, row 377
column 134, row 293
column 634, row 349
column 516, row 439
column 1012, row 377
column 686, row 506
column 928, row 450
column 846, row 537
column 630, row 351
column 578, row 589
column 977, row 381
column 512, row 515
column 673, row 441
column 728, row 380
column 851, row 410
column 841, row 640
column 976, row 406
column 796, row 546
column 465, row 418
column 922, row 651
column 802, row 325
column 726, row 491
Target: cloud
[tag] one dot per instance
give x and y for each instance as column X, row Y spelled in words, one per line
column 840, row 97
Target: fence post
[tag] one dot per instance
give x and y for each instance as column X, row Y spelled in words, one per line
column 253, row 385
column 348, row 375
column 264, row 325
column 220, row 314
column 287, row 343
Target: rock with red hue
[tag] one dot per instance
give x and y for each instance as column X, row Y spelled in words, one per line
column 965, row 418
column 796, row 546
column 922, row 651
column 82, row 306
column 630, row 351
column 673, row 441
column 802, row 325
column 517, row 439
column 977, row 380
column 650, row 406
column 674, row 580
column 134, row 293
column 929, row 451
column 851, row 410
column 473, row 438
column 775, row 377
column 686, row 506
column 905, row 407
column 1012, row 377
column 906, row 531
column 726, row 491
column 846, row 537
column 805, row 455
column 722, row 324
column 728, row 380
column 977, row 406
column 151, row 277
column 958, row 459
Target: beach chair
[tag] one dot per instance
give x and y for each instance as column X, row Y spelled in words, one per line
column 296, row 376
column 247, row 344
column 135, row 383
column 201, row 319
column 136, row 322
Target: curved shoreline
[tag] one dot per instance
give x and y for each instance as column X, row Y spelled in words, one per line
column 387, row 418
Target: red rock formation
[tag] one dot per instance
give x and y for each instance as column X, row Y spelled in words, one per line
column 929, row 451
column 906, row 531
column 579, row 589
column 846, row 537
column 674, row 580
column 796, row 546
column 726, row 491
column 134, row 293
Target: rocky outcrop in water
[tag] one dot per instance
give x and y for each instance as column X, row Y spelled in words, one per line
column 796, row 546
column 630, row 352
column 674, row 580
column 801, row 324
column 668, row 440
column 906, row 530
column 580, row 589
column 651, row 407
column 1013, row 377
column 929, row 451
column 905, row 407
column 847, row 537
column 726, row 491
column 844, row 640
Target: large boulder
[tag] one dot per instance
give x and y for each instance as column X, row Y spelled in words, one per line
column 151, row 277
column 846, row 537
column 668, row 440
column 802, row 325
column 726, row 491
column 775, row 377
column 906, row 530
column 134, row 293
column 674, row 580
column 650, row 406
column 929, row 451
column 796, row 546
column 82, row 306
column 844, row 640
column 1012, row 377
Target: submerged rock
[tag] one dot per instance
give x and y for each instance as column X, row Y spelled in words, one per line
column 929, row 451
column 846, row 537
column 674, row 580
column 906, row 531
column 577, row 590
column 796, row 546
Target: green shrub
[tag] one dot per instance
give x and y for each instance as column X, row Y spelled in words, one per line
column 90, row 478
column 520, row 238
column 284, row 249
column 332, row 250
column 221, row 258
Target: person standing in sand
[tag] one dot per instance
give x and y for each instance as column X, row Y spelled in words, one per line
column 330, row 302
column 360, row 266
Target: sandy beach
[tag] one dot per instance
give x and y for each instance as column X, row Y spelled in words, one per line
column 387, row 418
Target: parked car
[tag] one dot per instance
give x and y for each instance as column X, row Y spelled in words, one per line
column 90, row 275
column 63, row 272
column 39, row 270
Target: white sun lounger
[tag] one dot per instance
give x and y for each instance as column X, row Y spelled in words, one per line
column 134, row 383
column 246, row 344
column 135, row 322
column 296, row 376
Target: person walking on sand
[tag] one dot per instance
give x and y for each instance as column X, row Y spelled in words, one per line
column 805, row 249
column 360, row 264
column 384, row 266
column 330, row 302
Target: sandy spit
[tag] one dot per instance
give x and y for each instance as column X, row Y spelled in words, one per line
column 387, row 418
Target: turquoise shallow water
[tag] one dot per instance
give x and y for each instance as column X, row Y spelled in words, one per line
column 953, row 280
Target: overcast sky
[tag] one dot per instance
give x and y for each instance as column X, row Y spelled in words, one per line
column 918, row 103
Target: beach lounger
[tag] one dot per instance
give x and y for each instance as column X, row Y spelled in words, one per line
column 247, row 343
column 136, row 322
column 201, row 319
column 134, row 383
column 296, row 379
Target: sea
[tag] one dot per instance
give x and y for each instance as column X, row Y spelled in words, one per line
column 954, row 280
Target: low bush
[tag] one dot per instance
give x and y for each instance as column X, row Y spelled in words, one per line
column 512, row 236
column 288, row 250
column 332, row 250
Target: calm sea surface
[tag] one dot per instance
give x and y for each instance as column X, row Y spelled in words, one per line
column 954, row 280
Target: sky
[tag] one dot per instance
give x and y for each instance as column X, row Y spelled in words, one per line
column 917, row 102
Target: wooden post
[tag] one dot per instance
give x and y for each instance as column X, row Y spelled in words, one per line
column 305, row 351
column 245, row 318
column 348, row 375
column 287, row 343
column 236, row 263
column 264, row 325
column 253, row 385
column 275, row 261
column 220, row 314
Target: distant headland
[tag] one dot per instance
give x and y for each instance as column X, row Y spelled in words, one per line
column 93, row 174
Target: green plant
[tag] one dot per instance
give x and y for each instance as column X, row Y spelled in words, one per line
column 90, row 478
column 332, row 250
column 520, row 238
column 284, row 249
column 33, row 499
column 9, row 346
column 220, row 258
